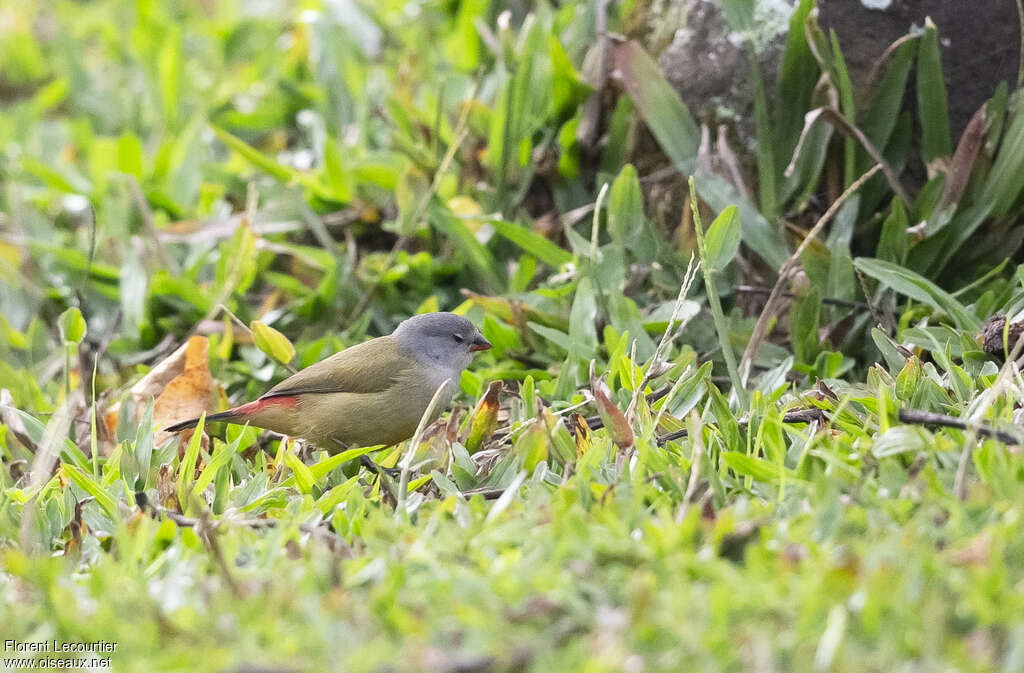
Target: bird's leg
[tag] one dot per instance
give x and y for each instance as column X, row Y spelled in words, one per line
column 370, row 464
column 302, row 450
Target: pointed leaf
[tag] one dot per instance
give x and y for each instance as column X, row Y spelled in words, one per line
column 485, row 418
column 272, row 342
column 722, row 239
column 72, row 326
column 659, row 105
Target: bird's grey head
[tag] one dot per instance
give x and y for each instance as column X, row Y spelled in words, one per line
column 444, row 339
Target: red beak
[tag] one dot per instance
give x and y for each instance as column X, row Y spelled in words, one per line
column 479, row 344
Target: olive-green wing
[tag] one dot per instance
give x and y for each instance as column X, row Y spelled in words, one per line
column 369, row 367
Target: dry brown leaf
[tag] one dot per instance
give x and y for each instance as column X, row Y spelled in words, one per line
column 181, row 384
column 188, row 394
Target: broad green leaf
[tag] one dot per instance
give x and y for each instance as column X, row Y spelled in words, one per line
column 910, row 439
column 882, row 116
column 659, row 105
column 764, row 238
column 484, row 419
column 804, row 321
column 798, row 76
column 917, row 287
column 894, row 242
column 627, row 224
column 339, row 179
column 462, row 43
column 533, row 243
column 72, row 326
column 130, row 155
column 768, row 173
column 848, row 105
column 557, row 337
column 620, row 137
column 749, row 466
column 187, row 467
column 36, row 432
column 169, row 65
column 255, row 157
column 49, row 96
column 506, row 498
column 532, row 445
column 304, row 478
column 335, row 496
column 446, row 486
column 1006, row 179
column 625, row 205
column 221, row 457
column 272, row 342
column 567, row 89
column 63, row 179
column 324, row 467
column 722, row 239
column 86, row 482
column 133, row 283
column 143, row 449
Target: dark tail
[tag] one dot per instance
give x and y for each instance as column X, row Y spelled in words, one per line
column 228, row 415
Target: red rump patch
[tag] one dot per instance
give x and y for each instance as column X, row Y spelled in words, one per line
column 260, row 405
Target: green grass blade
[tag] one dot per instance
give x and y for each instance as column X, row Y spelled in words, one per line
column 659, row 105
column 932, row 105
column 532, row 242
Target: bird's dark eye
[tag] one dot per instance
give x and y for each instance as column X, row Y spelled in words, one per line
column 459, row 338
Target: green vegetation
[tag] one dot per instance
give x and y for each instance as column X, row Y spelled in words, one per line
column 759, row 491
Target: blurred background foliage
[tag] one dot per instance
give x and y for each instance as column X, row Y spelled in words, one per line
column 289, row 178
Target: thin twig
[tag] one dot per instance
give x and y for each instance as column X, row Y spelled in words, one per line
column 795, row 416
column 917, row 416
column 887, row 320
column 487, row 493
column 318, row 531
column 771, row 305
column 876, row 67
column 660, row 174
column 847, row 128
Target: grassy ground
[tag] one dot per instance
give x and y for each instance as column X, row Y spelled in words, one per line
column 678, row 471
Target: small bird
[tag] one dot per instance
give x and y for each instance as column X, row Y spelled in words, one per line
column 369, row 394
